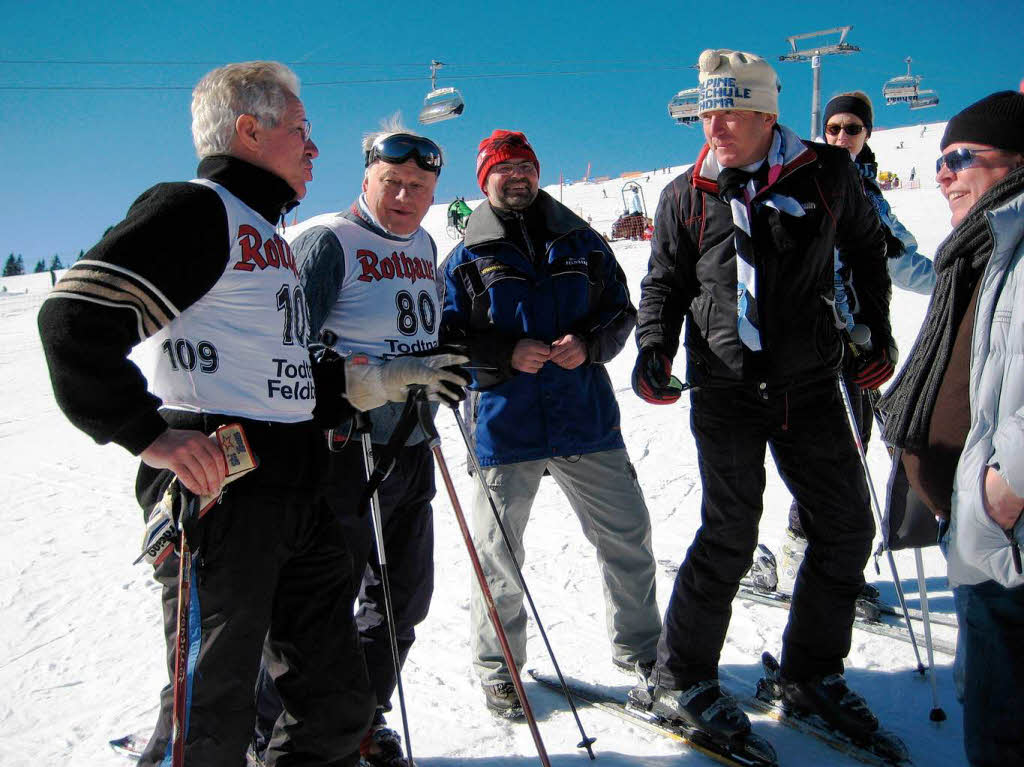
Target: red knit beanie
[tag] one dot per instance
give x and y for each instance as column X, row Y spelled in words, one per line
column 502, row 146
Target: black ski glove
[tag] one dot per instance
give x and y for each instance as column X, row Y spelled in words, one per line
column 329, row 381
column 873, row 368
column 651, row 376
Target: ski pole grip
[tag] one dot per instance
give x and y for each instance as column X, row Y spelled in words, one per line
column 361, row 423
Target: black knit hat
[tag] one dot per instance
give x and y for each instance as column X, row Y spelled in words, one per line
column 996, row 120
column 855, row 103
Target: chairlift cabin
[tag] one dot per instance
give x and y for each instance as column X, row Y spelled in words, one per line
column 633, row 223
column 683, row 107
column 636, row 202
column 902, row 89
column 441, row 103
column 925, row 98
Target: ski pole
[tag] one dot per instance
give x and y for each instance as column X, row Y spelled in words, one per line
column 179, row 712
column 363, row 426
column 877, row 510
column 427, row 423
column 587, row 742
column 936, row 714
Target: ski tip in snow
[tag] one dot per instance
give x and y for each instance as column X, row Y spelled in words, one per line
column 131, row 745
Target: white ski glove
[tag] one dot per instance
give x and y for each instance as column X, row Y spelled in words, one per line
column 370, row 383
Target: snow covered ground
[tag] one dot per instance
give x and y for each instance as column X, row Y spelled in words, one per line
column 80, row 640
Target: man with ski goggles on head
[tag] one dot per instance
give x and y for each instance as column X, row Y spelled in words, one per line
column 369, row 278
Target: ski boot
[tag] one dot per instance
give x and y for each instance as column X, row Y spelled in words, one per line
column 382, row 747
column 829, row 701
column 763, row 574
column 642, row 695
column 712, row 718
column 829, row 698
column 503, row 700
column 793, row 549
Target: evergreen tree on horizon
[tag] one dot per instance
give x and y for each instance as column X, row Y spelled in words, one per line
column 14, row 266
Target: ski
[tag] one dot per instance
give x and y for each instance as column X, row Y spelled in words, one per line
column 882, row 748
column 694, row 739
column 778, row 599
column 867, row 609
column 132, row 745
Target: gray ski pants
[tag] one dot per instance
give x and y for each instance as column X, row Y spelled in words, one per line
column 603, row 491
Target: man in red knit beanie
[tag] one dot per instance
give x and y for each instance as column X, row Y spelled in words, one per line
column 502, row 146
column 536, row 296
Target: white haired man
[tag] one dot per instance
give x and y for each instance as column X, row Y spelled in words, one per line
column 199, row 269
column 368, row 273
column 743, row 249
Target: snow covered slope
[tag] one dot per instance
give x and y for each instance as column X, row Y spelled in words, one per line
column 80, row 641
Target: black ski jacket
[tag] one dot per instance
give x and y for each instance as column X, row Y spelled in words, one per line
column 692, row 273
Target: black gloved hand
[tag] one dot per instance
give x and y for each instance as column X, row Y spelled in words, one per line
column 874, row 367
column 328, row 370
column 651, row 376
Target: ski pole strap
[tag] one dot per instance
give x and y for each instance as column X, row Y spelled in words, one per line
column 385, row 462
column 425, row 417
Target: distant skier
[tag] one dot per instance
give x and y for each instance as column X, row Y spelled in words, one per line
column 957, row 412
column 635, row 206
column 743, row 250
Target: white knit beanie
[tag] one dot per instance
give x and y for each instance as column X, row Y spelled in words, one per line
column 738, row 81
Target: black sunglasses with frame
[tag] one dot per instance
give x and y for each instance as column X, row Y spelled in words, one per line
column 852, row 129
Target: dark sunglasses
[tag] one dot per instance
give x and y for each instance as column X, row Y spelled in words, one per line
column 399, row 147
column 959, row 159
column 852, row 129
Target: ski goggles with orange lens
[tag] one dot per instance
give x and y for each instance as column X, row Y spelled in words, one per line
column 399, row 147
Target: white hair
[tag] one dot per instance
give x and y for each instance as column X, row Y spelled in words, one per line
column 389, row 126
column 257, row 88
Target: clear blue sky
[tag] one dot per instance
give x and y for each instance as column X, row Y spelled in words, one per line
column 73, row 160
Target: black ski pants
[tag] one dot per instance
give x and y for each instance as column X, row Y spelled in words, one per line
column 408, row 523
column 273, row 579
column 807, row 432
column 407, row 519
column 865, row 417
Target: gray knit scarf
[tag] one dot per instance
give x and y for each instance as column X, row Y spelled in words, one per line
column 959, row 263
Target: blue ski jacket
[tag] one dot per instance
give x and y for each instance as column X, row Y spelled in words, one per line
column 494, row 293
column 908, row 269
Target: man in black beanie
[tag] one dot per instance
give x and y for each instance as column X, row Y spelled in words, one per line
column 957, row 411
